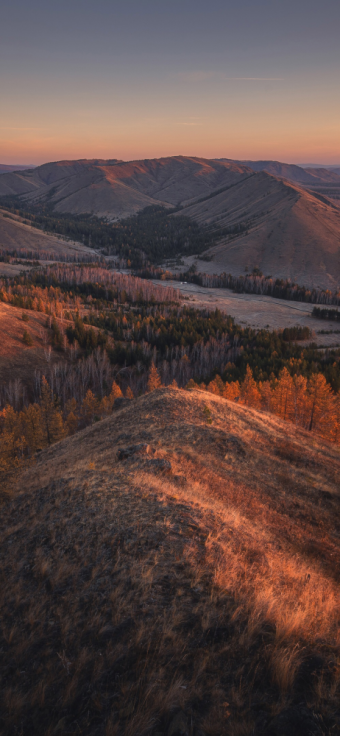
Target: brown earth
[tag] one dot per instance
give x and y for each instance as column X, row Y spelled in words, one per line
column 190, row 587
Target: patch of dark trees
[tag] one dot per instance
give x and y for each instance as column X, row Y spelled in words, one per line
column 250, row 283
column 330, row 314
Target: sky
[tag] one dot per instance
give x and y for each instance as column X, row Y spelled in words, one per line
column 136, row 79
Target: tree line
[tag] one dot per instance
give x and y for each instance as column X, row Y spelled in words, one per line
column 249, row 283
column 108, row 334
column 308, row 403
column 150, row 235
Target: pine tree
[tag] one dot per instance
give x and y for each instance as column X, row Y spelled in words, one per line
column 265, row 390
column 72, row 420
column 116, row 392
column 321, row 404
column 250, row 394
column 300, row 400
column 232, row 391
column 191, row 384
column 52, row 421
column 154, row 380
column 90, row 407
column 32, row 426
column 282, row 396
column 129, row 393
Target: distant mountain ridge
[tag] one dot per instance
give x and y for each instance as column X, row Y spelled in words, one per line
column 278, row 217
column 292, row 172
column 116, row 189
column 6, row 168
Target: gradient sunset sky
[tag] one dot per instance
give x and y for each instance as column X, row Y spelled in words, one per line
column 245, row 79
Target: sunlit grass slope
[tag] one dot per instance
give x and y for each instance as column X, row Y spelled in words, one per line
column 173, row 570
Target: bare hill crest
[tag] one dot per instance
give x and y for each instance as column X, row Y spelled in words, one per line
column 115, row 189
column 173, row 569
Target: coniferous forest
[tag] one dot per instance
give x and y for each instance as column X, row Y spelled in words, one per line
column 110, row 335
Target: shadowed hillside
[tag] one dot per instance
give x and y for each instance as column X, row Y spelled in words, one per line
column 118, row 189
column 258, row 219
column 174, row 570
column 17, row 236
column 276, row 226
column 297, row 174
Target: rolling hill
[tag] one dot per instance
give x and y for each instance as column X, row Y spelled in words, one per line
column 17, row 235
column 6, row 168
column 114, row 189
column 173, row 569
column 288, row 232
column 260, row 219
column 308, row 176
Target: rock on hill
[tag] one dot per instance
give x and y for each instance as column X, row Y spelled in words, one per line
column 173, row 570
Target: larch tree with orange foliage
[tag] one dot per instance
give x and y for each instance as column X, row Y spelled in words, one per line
column 250, row 395
column 282, row 396
column 321, row 405
column 52, row 420
column 154, row 380
column 90, row 407
column 232, row 391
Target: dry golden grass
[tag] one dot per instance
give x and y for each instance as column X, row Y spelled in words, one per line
column 198, row 600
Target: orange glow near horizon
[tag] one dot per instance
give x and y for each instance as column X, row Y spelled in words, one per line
column 135, row 80
column 211, row 139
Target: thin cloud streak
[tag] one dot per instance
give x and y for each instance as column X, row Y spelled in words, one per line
column 255, row 79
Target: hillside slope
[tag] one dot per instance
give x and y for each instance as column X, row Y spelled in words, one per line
column 297, row 174
column 16, row 235
column 173, row 570
column 117, row 189
column 6, row 168
column 289, row 232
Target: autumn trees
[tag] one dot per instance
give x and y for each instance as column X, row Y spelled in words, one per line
column 308, row 403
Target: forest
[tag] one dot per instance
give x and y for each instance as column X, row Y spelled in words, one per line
column 144, row 241
column 249, row 283
column 149, row 236
column 331, row 314
column 110, row 335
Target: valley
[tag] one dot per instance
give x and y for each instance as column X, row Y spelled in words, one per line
column 259, row 312
column 169, row 452
column 251, row 218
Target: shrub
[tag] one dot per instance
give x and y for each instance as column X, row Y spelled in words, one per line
column 27, row 338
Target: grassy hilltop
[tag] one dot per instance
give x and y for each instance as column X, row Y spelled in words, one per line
column 174, row 569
